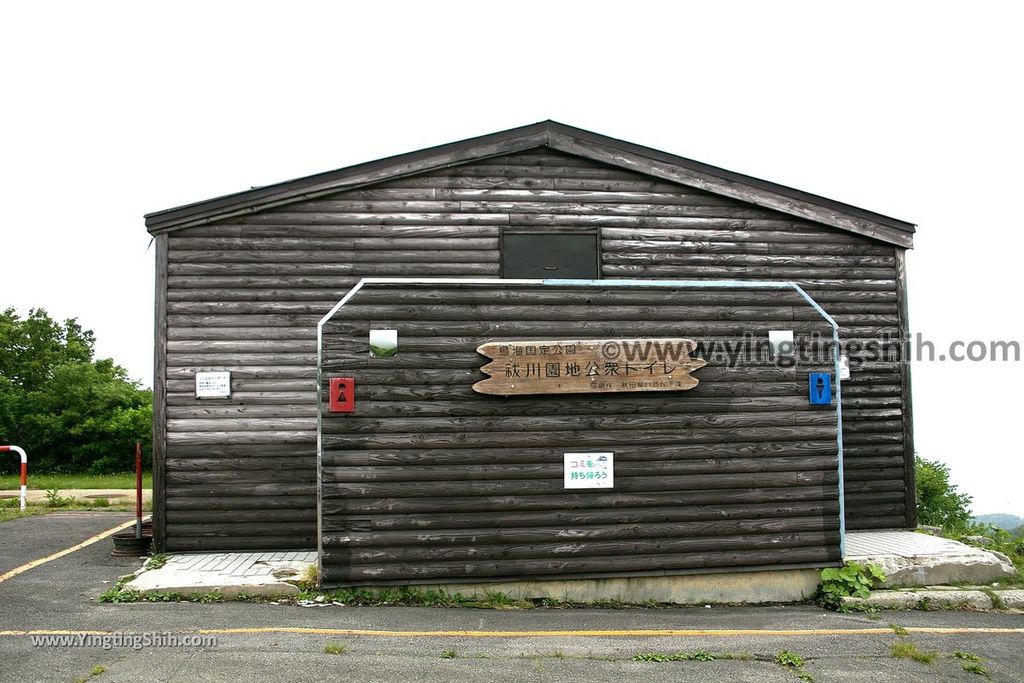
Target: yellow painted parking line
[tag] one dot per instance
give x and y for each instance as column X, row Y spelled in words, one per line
column 43, row 632
column 67, row 551
column 605, row 633
column 303, row 630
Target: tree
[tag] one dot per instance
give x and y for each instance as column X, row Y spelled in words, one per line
column 938, row 502
column 32, row 348
column 70, row 412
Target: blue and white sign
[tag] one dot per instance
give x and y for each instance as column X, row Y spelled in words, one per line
column 589, row 470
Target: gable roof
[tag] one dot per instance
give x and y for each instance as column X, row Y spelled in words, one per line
column 556, row 136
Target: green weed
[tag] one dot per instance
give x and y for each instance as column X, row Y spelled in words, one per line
column 904, row 649
column 55, row 500
column 966, row 656
column 974, row 668
column 852, row 579
column 997, row 600
column 156, row 561
column 789, row 659
column 698, row 656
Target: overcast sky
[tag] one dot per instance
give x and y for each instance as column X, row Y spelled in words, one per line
column 111, row 110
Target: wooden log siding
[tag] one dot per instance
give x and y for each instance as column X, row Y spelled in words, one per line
column 456, row 485
column 245, row 295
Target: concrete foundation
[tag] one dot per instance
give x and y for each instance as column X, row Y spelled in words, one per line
column 791, row 585
column 230, row 574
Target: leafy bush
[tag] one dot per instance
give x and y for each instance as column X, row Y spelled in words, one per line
column 852, row 579
column 55, row 500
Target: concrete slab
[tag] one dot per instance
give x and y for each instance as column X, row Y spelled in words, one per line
column 941, row 597
column 909, row 558
column 229, row 574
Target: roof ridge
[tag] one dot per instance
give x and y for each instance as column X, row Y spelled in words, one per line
column 557, row 136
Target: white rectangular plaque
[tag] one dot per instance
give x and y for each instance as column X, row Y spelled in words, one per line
column 589, row 470
column 782, row 342
column 213, row 385
column 844, row 367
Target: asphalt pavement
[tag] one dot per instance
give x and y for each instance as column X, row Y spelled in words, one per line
column 287, row 642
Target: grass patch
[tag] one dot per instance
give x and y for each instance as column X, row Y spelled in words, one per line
column 927, row 604
column 499, row 600
column 310, row 577
column 93, row 673
column 449, row 654
column 899, row 630
column 695, row 656
column 335, row 649
column 974, row 668
column 156, row 561
column 13, row 512
column 904, row 649
column 869, row 610
column 970, row 663
column 413, row 597
column 997, row 601
column 120, row 594
column 10, row 507
column 43, row 482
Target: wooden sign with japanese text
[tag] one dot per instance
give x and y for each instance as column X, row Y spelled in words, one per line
column 588, row 366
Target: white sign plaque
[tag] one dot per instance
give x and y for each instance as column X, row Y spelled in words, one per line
column 589, row 470
column 782, row 342
column 213, row 385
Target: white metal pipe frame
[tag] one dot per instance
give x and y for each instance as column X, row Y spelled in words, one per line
column 24, row 470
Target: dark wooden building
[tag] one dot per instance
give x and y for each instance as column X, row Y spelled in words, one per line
column 430, row 481
column 244, row 280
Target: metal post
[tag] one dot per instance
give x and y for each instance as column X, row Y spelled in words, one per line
column 24, row 470
column 138, row 489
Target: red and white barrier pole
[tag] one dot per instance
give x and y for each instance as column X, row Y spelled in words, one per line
column 24, row 470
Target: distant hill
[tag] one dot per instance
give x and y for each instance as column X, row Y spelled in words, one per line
column 1008, row 522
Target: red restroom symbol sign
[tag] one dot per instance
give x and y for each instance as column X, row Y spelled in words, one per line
column 341, row 395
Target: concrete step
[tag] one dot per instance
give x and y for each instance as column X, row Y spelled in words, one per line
column 977, row 598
